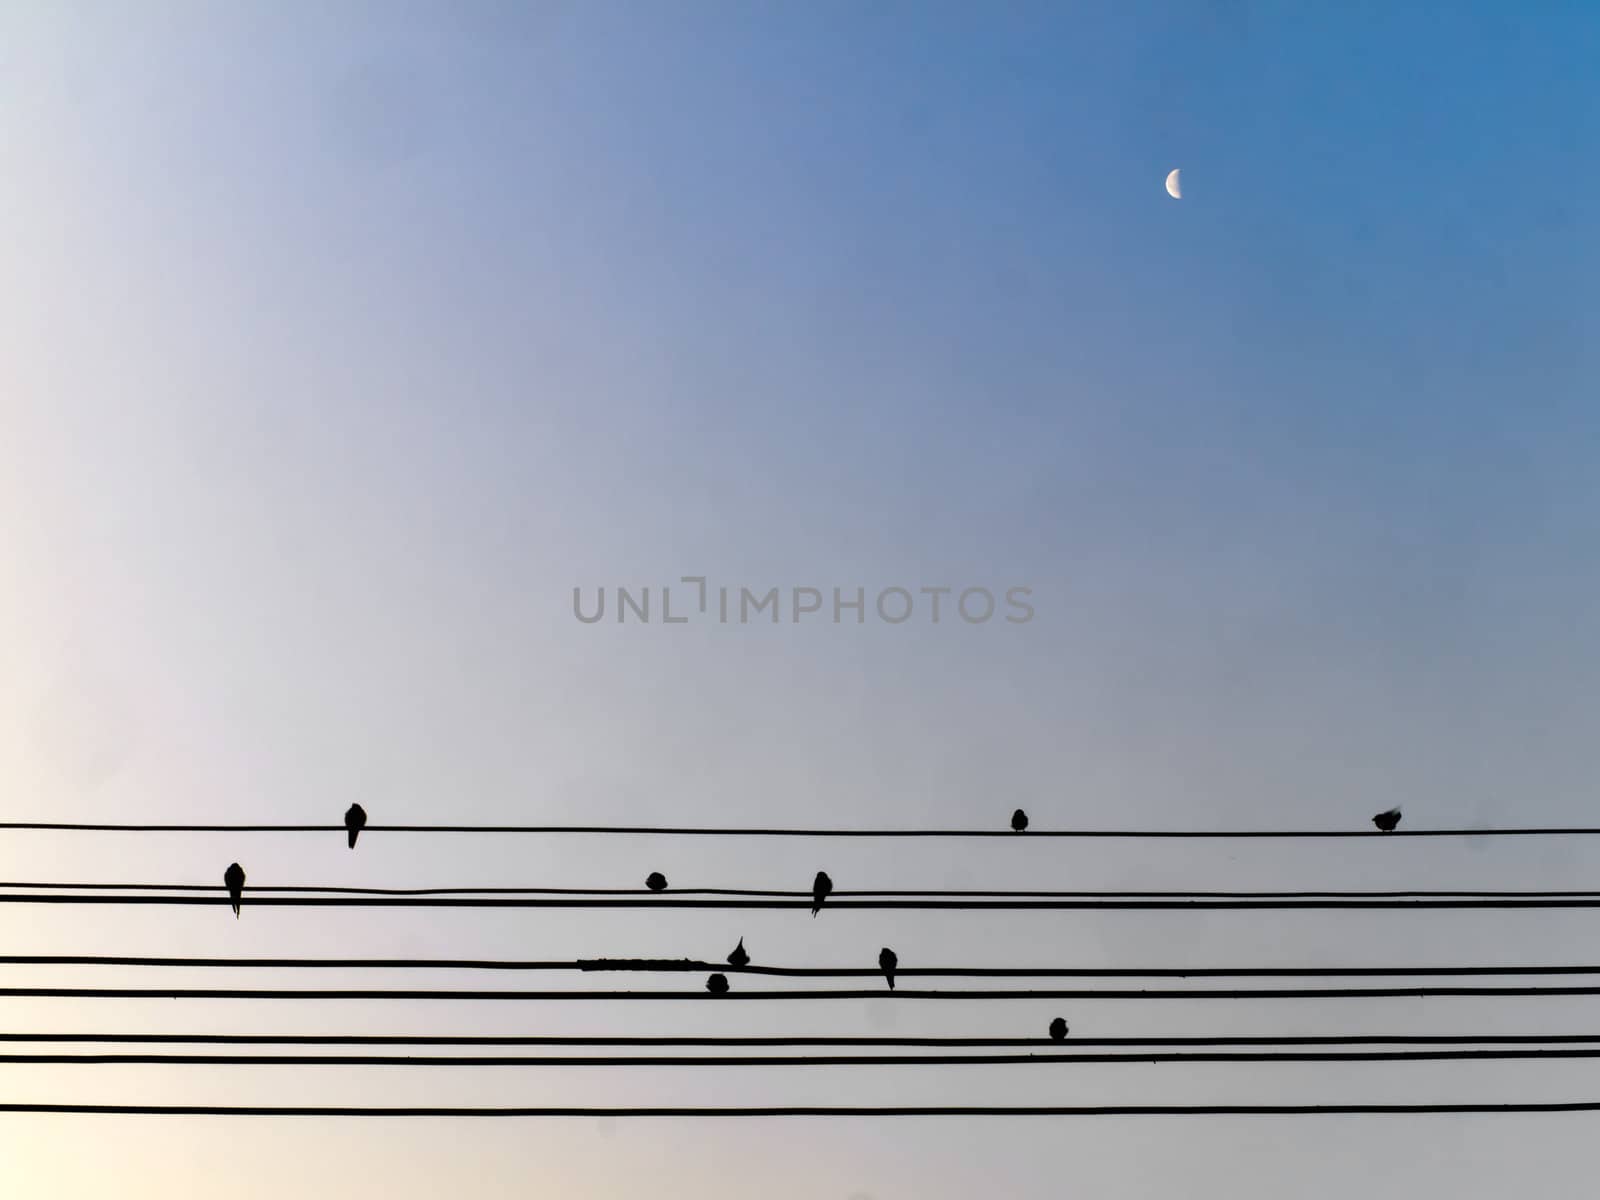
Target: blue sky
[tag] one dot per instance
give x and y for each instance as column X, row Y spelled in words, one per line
column 336, row 348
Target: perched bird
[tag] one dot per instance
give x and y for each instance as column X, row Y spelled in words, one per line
column 739, row 957
column 656, row 881
column 1386, row 821
column 355, row 820
column 233, row 878
column 717, row 984
column 887, row 962
column 1019, row 821
column 1058, row 1030
column 820, row 887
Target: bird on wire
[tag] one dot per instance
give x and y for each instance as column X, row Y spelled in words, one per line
column 1019, row 821
column 233, row 878
column 1386, row 821
column 656, row 881
column 717, row 985
column 888, row 960
column 1058, row 1030
column 739, row 957
column 820, row 887
column 355, row 820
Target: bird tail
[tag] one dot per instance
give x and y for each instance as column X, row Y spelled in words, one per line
column 354, row 834
column 236, row 910
column 891, row 983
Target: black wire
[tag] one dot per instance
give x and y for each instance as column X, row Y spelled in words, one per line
column 805, row 898
column 1103, row 1110
column 862, row 994
column 656, row 900
column 695, row 966
column 806, row 1060
column 295, row 1039
column 704, row 831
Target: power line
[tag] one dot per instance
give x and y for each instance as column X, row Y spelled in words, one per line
column 806, row 1060
column 805, row 898
column 697, row 966
column 839, row 994
column 1101, row 1110
column 692, row 965
column 295, row 1039
column 657, row 900
column 708, row 831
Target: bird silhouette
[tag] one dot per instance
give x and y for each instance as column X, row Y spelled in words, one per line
column 717, row 984
column 656, row 881
column 820, row 887
column 233, row 878
column 887, row 962
column 1019, row 821
column 739, row 957
column 1386, row 821
column 355, row 820
column 1058, row 1030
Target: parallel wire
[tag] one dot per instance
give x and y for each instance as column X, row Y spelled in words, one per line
column 273, row 896
column 297, row 1039
column 804, row 898
column 713, row 831
column 1101, row 1110
column 133, row 993
column 697, row 966
column 1180, row 901
column 803, row 1060
column 554, row 1040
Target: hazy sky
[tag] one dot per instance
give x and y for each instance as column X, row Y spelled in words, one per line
column 338, row 344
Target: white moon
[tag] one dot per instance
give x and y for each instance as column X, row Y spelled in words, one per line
column 1174, row 185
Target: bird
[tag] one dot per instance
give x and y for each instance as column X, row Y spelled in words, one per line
column 739, row 957
column 820, row 888
column 233, row 878
column 1019, row 821
column 656, row 881
column 355, row 820
column 717, row 984
column 1386, row 821
column 887, row 962
column 1058, row 1030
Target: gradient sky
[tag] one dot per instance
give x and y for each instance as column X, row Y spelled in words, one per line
column 338, row 344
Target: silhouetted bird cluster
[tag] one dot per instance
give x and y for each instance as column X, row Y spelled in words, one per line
column 355, row 820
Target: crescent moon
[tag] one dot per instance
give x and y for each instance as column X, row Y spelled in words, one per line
column 1174, row 185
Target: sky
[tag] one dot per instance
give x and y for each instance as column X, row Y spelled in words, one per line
column 340, row 344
